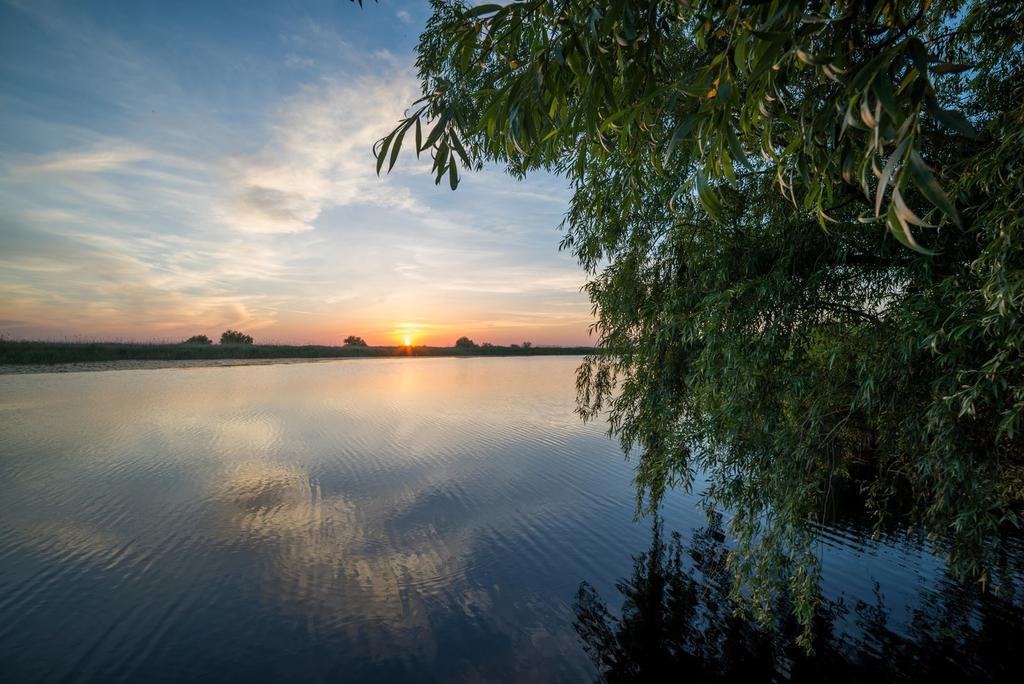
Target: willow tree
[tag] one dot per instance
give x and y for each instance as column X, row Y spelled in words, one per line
column 802, row 226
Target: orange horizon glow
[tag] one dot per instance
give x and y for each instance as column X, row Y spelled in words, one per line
column 424, row 335
column 420, row 334
column 433, row 325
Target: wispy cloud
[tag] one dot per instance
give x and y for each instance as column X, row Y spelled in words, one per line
column 184, row 203
column 318, row 156
column 297, row 62
column 91, row 161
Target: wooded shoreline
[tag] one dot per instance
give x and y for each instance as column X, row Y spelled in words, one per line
column 16, row 352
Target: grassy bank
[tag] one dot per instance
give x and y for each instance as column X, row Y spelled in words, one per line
column 44, row 353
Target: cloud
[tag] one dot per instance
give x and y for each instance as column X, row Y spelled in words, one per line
column 92, row 161
column 319, row 156
column 404, row 17
column 247, row 197
column 262, row 209
column 56, row 280
column 297, row 62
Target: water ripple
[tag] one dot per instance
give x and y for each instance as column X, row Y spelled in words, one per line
column 374, row 519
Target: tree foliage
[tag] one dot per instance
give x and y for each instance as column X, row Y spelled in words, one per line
column 198, row 339
column 235, row 337
column 802, row 223
column 465, row 343
column 353, row 341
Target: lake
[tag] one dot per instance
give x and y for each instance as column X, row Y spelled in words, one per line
column 377, row 520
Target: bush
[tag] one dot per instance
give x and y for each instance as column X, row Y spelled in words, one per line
column 198, row 339
column 235, row 337
column 465, row 343
column 353, row 341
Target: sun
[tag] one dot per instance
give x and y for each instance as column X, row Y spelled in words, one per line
column 408, row 341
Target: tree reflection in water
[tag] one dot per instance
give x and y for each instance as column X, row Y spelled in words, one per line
column 677, row 623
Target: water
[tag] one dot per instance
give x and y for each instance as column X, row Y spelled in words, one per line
column 394, row 519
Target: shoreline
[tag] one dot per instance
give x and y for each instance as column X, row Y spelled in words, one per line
column 102, row 365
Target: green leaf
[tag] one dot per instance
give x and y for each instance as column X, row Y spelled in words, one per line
column 957, row 121
column 459, row 149
column 901, row 231
column 436, row 132
column 865, row 114
column 890, row 166
column 771, row 55
column 919, row 55
column 904, row 212
column 397, row 145
column 708, row 197
column 441, row 161
column 382, row 154
column 740, row 55
column 480, row 10
column 453, row 174
column 882, row 87
column 734, row 146
column 929, row 187
column 681, row 131
column 950, row 118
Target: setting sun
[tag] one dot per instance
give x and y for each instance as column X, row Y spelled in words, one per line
column 408, row 341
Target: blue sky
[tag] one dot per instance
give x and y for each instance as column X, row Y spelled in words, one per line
column 171, row 168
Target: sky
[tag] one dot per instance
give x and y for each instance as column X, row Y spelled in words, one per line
column 177, row 168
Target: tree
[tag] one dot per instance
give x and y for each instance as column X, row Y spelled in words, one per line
column 198, row 339
column 802, row 222
column 465, row 343
column 235, row 337
column 353, row 341
column 527, row 345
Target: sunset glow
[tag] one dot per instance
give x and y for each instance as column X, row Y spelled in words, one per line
column 155, row 189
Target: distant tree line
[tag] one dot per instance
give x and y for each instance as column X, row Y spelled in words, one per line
column 226, row 337
column 466, row 343
column 237, row 337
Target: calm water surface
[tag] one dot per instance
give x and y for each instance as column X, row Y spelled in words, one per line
column 398, row 519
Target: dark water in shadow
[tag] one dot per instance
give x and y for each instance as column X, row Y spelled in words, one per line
column 676, row 617
column 374, row 520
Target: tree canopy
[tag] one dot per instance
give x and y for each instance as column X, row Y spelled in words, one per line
column 801, row 221
column 198, row 339
column 235, row 337
column 465, row 343
column 353, row 341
